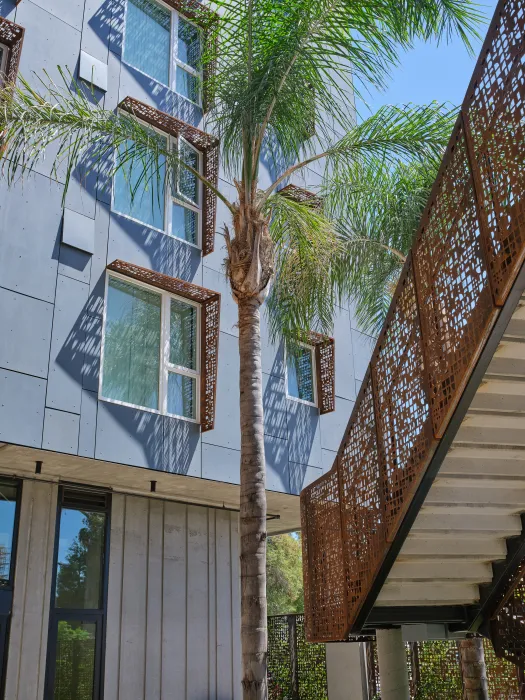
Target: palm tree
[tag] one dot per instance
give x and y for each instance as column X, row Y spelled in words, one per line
column 376, row 225
column 277, row 64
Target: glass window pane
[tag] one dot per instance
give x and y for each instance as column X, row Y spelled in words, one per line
column 187, row 85
column 147, row 38
column 132, row 345
column 184, row 223
column 189, row 50
column 183, row 334
column 139, row 187
column 75, row 660
column 188, row 182
column 181, row 395
column 300, row 373
column 7, row 525
column 80, row 561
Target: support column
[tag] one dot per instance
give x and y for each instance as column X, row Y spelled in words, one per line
column 393, row 669
column 345, row 671
column 473, row 669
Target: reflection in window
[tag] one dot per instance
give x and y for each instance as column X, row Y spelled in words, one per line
column 7, row 525
column 80, row 559
column 132, row 345
column 134, row 370
column 75, row 660
column 139, row 185
column 300, row 373
column 147, row 39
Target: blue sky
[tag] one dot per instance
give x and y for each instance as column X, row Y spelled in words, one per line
column 431, row 72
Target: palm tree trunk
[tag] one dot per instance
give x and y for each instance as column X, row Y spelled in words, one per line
column 253, row 504
column 473, row 669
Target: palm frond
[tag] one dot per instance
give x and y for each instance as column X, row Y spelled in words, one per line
column 302, row 297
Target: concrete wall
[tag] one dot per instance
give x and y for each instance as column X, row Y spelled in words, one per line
column 51, row 299
column 26, row 660
column 173, row 625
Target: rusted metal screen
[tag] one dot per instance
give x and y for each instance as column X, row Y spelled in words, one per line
column 434, row 671
column 466, row 255
column 12, row 36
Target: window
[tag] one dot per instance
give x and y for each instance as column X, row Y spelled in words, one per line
column 165, row 46
column 151, row 350
column 77, row 615
column 11, row 39
column 300, row 375
column 140, row 196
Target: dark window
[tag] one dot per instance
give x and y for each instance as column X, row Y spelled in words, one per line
column 9, row 514
column 78, row 602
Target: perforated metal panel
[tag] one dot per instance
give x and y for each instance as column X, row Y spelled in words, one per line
column 12, row 36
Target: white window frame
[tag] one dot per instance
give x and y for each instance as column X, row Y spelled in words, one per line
column 165, row 366
column 3, row 62
column 174, row 59
column 170, row 197
column 314, row 377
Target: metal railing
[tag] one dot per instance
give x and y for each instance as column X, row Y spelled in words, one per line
column 464, row 260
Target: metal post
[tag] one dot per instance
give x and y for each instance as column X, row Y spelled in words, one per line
column 294, row 670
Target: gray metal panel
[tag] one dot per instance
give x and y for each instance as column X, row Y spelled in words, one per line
column 272, row 353
column 215, row 260
column 302, row 475
column 82, row 190
column 67, row 346
column 26, row 333
column 74, row 263
column 274, row 403
column 22, row 400
column 8, row 9
column 221, row 464
column 69, row 11
column 78, row 231
column 96, row 28
column 277, row 469
column 30, row 236
column 304, row 433
column 141, row 245
column 49, row 42
column 328, row 459
column 88, row 424
column 93, row 71
column 129, row 436
column 99, row 261
column 226, row 432
column 61, row 431
column 211, row 279
column 363, row 346
column 344, row 360
column 92, row 338
column 182, row 447
column 333, row 424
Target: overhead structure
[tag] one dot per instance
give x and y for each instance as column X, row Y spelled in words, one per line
column 421, row 518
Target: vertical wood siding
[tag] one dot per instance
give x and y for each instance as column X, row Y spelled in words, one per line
column 26, row 662
column 173, row 621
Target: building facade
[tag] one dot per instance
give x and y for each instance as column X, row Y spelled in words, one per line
column 119, row 408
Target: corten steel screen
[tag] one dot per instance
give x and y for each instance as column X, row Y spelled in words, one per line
column 465, row 257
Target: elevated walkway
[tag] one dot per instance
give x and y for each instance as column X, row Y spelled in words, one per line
column 421, row 517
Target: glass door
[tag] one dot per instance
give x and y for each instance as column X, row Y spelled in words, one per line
column 78, row 603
